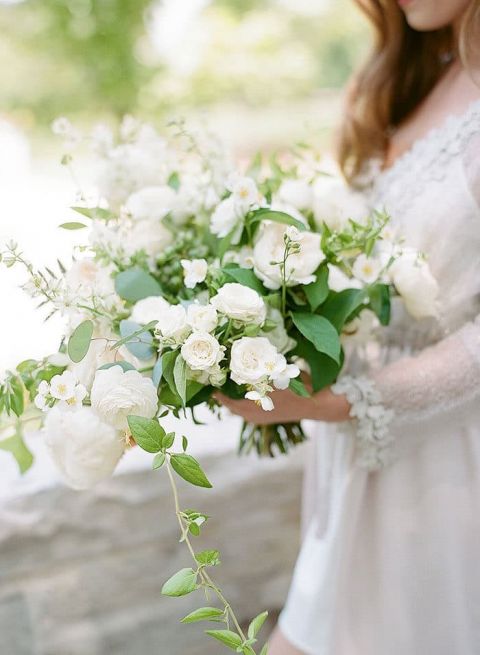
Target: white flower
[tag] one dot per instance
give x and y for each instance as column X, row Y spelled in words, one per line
column 244, row 190
column 270, row 248
column 279, row 336
column 151, row 203
column 367, row 269
column 416, row 285
column 297, row 193
column 240, row 303
column 225, row 217
column 149, row 309
column 150, row 236
column 76, row 400
column 202, row 318
column 40, row 399
column 172, row 324
column 117, row 393
column 63, row 386
column 84, row 448
column 253, row 360
column 284, row 373
column 339, row 281
column 265, row 402
column 195, row 271
column 201, row 351
column 334, row 203
column 243, row 257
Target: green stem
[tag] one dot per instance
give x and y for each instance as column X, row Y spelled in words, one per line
column 203, row 574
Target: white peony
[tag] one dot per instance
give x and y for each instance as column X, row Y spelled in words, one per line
column 297, row 193
column 270, row 248
column 172, row 324
column 149, row 309
column 201, row 351
column 334, row 203
column 416, row 285
column 117, row 393
column 151, row 203
column 240, row 303
column 202, row 318
column 367, row 269
column 84, row 448
column 195, row 271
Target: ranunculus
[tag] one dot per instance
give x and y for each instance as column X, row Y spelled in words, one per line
column 172, row 324
column 202, row 318
column 334, row 203
column 297, row 193
column 240, row 303
column 149, row 309
column 84, row 448
column 367, row 269
column 151, row 203
column 270, row 248
column 195, row 271
column 117, row 393
column 201, row 351
column 415, row 283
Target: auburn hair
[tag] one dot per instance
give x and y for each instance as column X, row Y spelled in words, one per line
column 402, row 69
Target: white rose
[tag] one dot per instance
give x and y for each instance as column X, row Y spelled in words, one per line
column 202, row 318
column 253, row 359
column 416, row 285
column 149, row 309
column 172, row 324
column 116, row 394
column 334, row 203
column 151, row 236
column 195, row 271
column 84, row 448
column 240, row 303
column 367, row 269
column 279, row 337
column 270, row 247
column 297, row 193
column 201, row 351
column 151, row 203
column 339, row 281
column 225, row 217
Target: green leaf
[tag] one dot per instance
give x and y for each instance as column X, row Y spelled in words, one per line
column 17, row 447
column 141, row 349
column 339, row 306
column 189, row 469
column 244, row 276
column 226, row 637
column 136, row 284
column 379, row 296
column 324, row 370
column 297, row 386
column 208, row 557
column 180, row 378
column 168, row 365
column 158, row 461
column 225, row 243
column 317, row 291
column 17, row 390
column 204, row 614
column 147, row 432
column 79, row 341
column 277, row 217
column 157, row 372
column 184, row 443
column 256, row 625
column 174, row 181
column 181, row 584
column 93, row 212
column 264, row 650
column 168, row 440
column 320, row 332
column 73, row 225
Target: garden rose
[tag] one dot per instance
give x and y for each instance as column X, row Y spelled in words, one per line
column 149, row 309
column 117, row 393
column 194, row 271
column 201, row 351
column 172, row 324
column 202, row 318
column 240, row 303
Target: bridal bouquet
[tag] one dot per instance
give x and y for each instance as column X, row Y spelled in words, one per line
column 195, row 277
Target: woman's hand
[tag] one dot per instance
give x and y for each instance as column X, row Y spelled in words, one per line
column 290, row 408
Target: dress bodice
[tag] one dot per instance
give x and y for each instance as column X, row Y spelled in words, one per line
column 432, row 195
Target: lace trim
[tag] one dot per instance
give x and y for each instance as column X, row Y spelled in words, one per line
column 374, row 439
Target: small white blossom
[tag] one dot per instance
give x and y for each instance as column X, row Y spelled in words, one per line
column 265, row 402
column 367, row 269
column 195, row 271
column 244, row 190
column 62, row 387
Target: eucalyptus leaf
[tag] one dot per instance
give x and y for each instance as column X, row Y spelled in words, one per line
column 320, row 332
column 189, row 469
column 148, row 433
column 181, row 584
column 79, row 341
column 141, row 349
column 72, row 225
column 157, row 372
column 135, row 284
column 204, row 614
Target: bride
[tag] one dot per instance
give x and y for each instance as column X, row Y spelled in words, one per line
column 389, row 563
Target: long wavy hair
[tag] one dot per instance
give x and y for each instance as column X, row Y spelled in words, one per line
column 402, row 69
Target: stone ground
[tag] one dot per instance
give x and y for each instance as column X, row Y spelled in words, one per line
column 81, row 573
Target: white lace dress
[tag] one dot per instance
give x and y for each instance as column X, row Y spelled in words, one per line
column 390, row 564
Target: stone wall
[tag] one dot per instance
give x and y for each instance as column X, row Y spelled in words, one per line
column 81, row 573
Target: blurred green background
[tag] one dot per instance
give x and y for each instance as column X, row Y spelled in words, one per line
column 98, row 59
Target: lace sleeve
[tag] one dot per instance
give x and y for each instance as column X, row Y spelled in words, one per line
column 441, row 379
